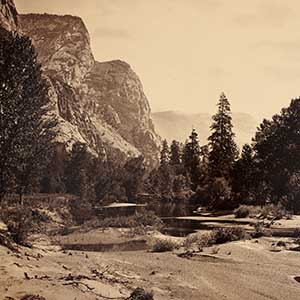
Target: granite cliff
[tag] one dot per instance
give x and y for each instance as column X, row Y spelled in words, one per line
column 99, row 103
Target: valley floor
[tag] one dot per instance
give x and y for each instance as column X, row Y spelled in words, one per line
column 252, row 270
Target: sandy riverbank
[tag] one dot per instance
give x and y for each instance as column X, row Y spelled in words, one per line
column 251, row 269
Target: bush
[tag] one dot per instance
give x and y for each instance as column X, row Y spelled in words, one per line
column 66, row 230
column 140, row 294
column 260, row 231
column 224, row 235
column 81, row 211
column 275, row 212
column 19, row 227
column 197, row 240
column 242, row 211
column 144, row 219
column 22, row 221
column 217, row 236
column 164, row 245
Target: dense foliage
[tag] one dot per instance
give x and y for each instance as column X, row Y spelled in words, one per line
column 188, row 176
column 26, row 134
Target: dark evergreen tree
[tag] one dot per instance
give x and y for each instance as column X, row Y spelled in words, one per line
column 191, row 159
column 164, row 154
column 175, row 154
column 80, row 172
column 134, row 171
column 223, row 150
column 277, row 151
column 109, row 179
column 26, row 134
column 243, row 176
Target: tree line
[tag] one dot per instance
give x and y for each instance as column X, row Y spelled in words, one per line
column 265, row 171
column 212, row 174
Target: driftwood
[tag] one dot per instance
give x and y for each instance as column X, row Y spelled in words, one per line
column 89, row 289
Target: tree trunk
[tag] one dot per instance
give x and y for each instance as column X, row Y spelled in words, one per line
column 21, row 199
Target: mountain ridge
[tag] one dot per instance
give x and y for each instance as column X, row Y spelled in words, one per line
column 101, row 104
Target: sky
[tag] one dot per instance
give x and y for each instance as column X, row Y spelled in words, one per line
column 186, row 52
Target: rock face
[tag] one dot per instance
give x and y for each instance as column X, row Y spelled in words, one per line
column 8, row 15
column 176, row 125
column 99, row 103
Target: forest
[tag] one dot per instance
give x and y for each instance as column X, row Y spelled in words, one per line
column 214, row 174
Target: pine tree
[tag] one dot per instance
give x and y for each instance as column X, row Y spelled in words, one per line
column 276, row 145
column 191, row 159
column 164, row 154
column 134, row 171
column 175, row 154
column 26, row 134
column 79, row 172
column 243, row 175
column 223, row 150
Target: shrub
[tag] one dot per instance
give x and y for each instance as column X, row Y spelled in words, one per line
column 19, row 227
column 164, row 245
column 224, row 235
column 272, row 211
column 242, row 211
column 260, row 231
column 217, row 236
column 6, row 241
column 140, row 294
column 81, row 211
column 144, row 219
column 148, row 218
column 66, row 230
column 22, row 221
column 197, row 240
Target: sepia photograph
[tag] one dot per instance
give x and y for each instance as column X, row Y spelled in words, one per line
column 149, row 150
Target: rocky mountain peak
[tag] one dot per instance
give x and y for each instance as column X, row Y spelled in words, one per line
column 63, row 45
column 99, row 103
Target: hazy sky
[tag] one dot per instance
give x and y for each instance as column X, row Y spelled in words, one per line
column 187, row 51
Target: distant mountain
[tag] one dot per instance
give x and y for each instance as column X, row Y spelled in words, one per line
column 177, row 125
column 101, row 104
